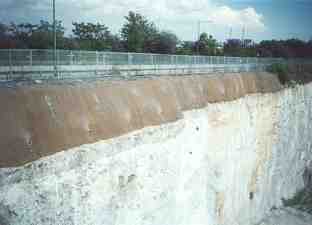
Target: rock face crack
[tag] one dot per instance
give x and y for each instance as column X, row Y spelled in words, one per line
column 50, row 106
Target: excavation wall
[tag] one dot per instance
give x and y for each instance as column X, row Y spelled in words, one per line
column 176, row 150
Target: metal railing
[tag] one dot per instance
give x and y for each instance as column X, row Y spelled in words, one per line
column 32, row 63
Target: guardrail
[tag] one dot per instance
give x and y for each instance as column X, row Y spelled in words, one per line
column 38, row 64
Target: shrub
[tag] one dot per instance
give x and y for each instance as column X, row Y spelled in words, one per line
column 281, row 70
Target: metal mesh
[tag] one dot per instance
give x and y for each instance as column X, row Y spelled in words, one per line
column 39, row 63
column 25, row 57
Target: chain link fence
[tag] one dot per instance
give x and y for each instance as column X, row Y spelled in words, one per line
column 38, row 64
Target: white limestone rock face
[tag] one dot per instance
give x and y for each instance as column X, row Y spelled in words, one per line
column 229, row 163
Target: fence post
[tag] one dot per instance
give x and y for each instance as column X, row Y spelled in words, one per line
column 96, row 62
column 104, row 61
column 70, row 58
column 152, row 59
column 152, row 62
column 56, row 63
column 194, row 61
column 190, row 67
column 175, row 65
column 129, row 63
column 171, row 64
column 129, row 59
column 97, row 57
column 247, row 64
column 10, row 64
column 30, row 57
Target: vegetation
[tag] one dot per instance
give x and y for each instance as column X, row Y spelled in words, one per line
column 292, row 72
column 302, row 201
column 281, row 70
column 91, row 36
column 138, row 34
column 207, row 45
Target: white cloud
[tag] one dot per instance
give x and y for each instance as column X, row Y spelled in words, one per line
column 179, row 16
column 247, row 17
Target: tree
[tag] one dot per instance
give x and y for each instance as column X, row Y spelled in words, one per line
column 165, row 43
column 5, row 37
column 117, row 44
column 90, row 31
column 93, row 36
column 138, row 33
column 21, row 33
column 23, row 30
column 27, row 35
column 186, row 48
column 4, row 30
column 207, row 45
column 42, row 36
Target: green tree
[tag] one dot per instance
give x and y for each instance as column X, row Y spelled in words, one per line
column 38, row 36
column 93, row 36
column 207, row 45
column 138, row 33
column 186, row 48
column 165, row 42
column 3, row 30
column 21, row 33
column 6, row 38
column 42, row 36
column 117, row 44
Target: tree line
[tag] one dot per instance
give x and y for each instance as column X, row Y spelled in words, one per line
column 138, row 34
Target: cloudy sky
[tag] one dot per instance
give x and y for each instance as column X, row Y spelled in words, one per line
column 262, row 19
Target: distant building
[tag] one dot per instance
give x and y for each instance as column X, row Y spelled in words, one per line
column 248, row 43
column 238, row 43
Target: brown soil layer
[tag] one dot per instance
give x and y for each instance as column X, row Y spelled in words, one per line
column 40, row 120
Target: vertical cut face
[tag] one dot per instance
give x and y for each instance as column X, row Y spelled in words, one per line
column 222, row 163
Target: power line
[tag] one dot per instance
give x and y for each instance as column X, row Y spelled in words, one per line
column 231, row 32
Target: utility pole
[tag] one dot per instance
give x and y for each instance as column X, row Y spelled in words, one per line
column 243, row 37
column 231, row 32
column 198, row 31
column 54, row 42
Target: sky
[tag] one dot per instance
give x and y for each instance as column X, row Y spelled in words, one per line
column 259, row 19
